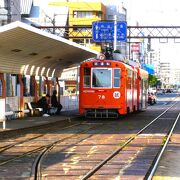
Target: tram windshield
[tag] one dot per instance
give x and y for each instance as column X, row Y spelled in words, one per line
column 102, row 77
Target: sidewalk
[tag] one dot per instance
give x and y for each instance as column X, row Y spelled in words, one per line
column 34, row 121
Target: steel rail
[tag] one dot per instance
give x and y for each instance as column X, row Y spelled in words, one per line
column 36, row 170
column 39, row 148
column 152, row 171
column 23, row 130
column 98, row 166
column 2, row 149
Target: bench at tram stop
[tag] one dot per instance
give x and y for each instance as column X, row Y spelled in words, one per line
column 37, row 111
column 7, row 113
column 11, row 114
column 33, row 108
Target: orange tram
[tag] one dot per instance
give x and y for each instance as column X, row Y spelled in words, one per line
column 109, row 88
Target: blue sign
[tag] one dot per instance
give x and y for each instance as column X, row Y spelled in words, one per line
column 104, row 31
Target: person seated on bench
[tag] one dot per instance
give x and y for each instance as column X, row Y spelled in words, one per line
column 44, row 104
column 55, row 103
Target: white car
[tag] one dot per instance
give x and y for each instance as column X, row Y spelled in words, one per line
column 153, row 90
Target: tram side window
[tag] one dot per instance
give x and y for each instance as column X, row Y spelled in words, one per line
column 129, row 79
column 87, row 76
column 116, row 78
column 135, row 80
column 145, row 86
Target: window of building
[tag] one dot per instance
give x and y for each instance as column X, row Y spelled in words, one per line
column 79, row 41
column 99, row 14
column 83, row 42
column 82, row 14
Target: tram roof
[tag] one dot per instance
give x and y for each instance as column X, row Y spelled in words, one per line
column 27, row 50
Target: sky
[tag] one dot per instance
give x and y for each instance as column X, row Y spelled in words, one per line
column 152, row 12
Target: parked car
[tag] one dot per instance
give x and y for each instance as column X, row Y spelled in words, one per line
column 153, row 90
column 168, row 91
column 159, row 91
column 152, row 99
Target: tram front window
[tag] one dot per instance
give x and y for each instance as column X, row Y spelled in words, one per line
column 102, row 77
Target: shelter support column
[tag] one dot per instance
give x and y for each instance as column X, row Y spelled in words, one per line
column 58, row 86
column 40, row 86
column 3, row 85
column 48, row 86
column 3, row 100
column 35, row 88
column 21, row 94
column 8, row 85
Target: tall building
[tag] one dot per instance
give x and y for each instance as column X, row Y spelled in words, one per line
column 9, row 12
column 177, row 76
column 165, row 74
column 152, row 57
column 14, row 10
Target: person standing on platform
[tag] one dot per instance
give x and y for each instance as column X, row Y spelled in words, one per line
column 55, row 103
column 44, row 104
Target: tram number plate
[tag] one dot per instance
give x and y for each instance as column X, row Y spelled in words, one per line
column 101, row 96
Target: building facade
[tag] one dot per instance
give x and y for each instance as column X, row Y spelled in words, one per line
column 165, row 74
column 83, row 14
column 14, row 10
column 153, row 57
column 10, row 11
column 177, row 77
column 69, row 81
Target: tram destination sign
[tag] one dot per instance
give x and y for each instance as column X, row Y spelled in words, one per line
column 104, row 31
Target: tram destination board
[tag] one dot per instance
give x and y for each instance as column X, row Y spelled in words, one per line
column 104, row 31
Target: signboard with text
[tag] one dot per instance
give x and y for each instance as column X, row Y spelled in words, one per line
column 104, row 31
column 135, row 48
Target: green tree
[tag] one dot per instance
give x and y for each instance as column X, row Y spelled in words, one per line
column 152, row 80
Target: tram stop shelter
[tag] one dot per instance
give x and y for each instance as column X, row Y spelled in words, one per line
column 26, row 50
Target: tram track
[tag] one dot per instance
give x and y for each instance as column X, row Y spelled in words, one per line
column 157, row 160
column 82, row 151
column 98, row 167
column 49, row 130
column 75, row 131
column 93, row 173
column 41, row 147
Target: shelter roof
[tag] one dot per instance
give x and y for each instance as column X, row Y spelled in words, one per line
column 27, row 50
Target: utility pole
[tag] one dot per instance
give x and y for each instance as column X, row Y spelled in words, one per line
column 8, row 11
column 54, row 23
column 149, row 43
